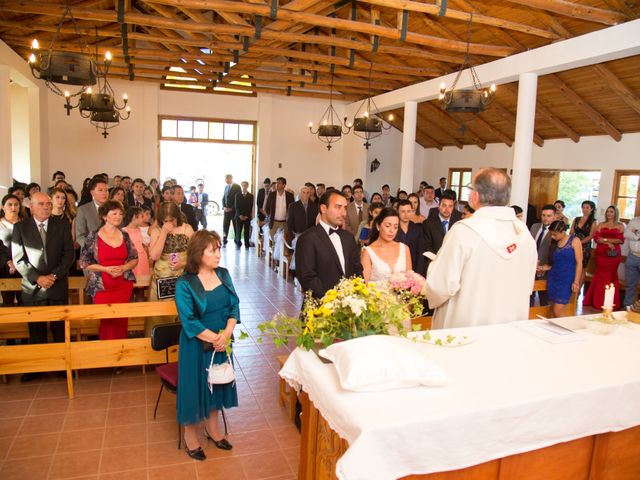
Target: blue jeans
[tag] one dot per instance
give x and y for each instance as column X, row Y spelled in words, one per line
column 632, row 276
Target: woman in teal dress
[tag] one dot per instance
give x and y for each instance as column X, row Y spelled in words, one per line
column 208, row 308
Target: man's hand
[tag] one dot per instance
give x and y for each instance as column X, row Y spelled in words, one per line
column 46, row 281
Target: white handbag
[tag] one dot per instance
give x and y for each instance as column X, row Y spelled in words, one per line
column 220, row 374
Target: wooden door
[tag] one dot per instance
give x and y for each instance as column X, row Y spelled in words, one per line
column 543, row 188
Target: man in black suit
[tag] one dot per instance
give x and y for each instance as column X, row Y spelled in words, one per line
column 438, row 224
column 411, row 235
column 181, row 201
column 443, row 186
column 540, row 233
column 277, row 206
column 261, row 197
column 136, row 196
column 228, row 205
column 302, row 214
column 42, row 251
column 326, row 253
column 201, row 205
column 244, row 209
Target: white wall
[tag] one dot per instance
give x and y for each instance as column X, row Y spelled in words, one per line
column 20, row 155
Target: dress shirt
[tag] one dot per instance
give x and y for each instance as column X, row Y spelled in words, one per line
column 445, row 223
column 44, row 222
column 337, row 243
column 281, row 207
column 541, row 234
column 425, row 207
column 634, row 238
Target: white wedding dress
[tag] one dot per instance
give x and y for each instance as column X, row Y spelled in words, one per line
column 380, row 270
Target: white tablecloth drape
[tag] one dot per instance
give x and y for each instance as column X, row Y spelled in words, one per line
column 509, row 392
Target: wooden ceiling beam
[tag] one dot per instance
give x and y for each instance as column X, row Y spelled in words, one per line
column 424, row 123
column 454, row 124
column 434, row 9
column 618, row 87
column 398, row 123
column 553, row 23
column 341, row 24
column 584, row 106
column 575, row 10
column 497, row 133
column 511, row 118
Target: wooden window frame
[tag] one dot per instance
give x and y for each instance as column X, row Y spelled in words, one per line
column 616, row 187
column 458, row 190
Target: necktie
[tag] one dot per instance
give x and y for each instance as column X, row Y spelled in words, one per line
column 333, row 230
column 445, row 224
column 540, row 237
column 43, row 236
column 359, row 213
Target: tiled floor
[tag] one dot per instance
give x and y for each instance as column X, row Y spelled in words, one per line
column 108, row 430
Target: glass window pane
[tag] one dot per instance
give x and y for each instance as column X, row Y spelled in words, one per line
column 231, row 131
column 246, row 132
column 464, row 194
column 466, row 178
column 628, row 185
column 185, row 129
column 216, row 131
column 169, row 128
column 200, row 129
column 455, row 178
column 627, row 207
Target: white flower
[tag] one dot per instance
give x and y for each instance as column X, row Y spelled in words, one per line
column 357, row 305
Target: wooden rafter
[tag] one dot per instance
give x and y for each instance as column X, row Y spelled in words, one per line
column 618, row 87
column 398, row 123
column 446, row 118
column 575, row 10
column 424, row 124
column 511, row 118
column 503, row 137
column 584, row 106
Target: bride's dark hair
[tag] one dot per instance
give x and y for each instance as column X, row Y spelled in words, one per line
column 375, row 228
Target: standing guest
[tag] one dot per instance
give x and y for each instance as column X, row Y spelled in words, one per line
column 228, row 202
column 386, row 198
column 301, row 214
column 31, row 189
column 168, row 249
column 118, row 194
column 134, row 219
column 320, row 190
column 584, row 228
column 485, row 269
column 428, row 200
column 155, row 185
column 402, row 195
column 9, row 216
column 609, row 236
column 185, row 208
column 468, row 211
column 313, row 196
column 411, row 235
column 136, row 197
column 244, row 212
column 42, row 251
column 560, row 206
column 109, row 257
column 347, row 192
column 19, row 192
column 327, row 253
column 202, row 200
column 117, row 180
column 85, row 193
column 364, row 230
column 376, row 198
column 416, row 217
column 60, row 206
column 436, row 226
column 443, row 186
column 87, row 219
column 384, row 256
column 357, row 211
column 540, row 233
column 564, row 267
column 261, row 200
column 207, row 305
column 519, row 212
column 126, row 184
column 167, row 194
column 149, row 193
column 193, row 197
column 277, row 206
column 632, row 265
column 357, row 182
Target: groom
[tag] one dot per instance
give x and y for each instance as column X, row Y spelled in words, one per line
column 326, row 253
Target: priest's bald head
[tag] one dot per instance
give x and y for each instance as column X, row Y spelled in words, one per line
column 490, row 187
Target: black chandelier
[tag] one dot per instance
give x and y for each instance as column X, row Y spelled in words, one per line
column 468, row 100
column 330, row 128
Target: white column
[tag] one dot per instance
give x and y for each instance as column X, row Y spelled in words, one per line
column 5, row 130
column 523, row 144
column 408, row 146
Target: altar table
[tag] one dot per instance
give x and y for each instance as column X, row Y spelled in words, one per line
column 509, row 392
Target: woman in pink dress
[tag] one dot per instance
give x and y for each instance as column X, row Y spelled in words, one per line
column 134, row 219
column 609, row 236
column 109, row 258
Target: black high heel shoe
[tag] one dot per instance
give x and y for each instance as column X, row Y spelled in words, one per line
column 196, row 454
column 221, row 444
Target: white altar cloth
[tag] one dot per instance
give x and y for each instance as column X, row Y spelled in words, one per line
column 508, row 392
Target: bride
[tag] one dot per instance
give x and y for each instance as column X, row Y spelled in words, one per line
column 384, row 256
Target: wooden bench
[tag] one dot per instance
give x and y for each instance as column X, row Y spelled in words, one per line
column 68, row 355
column 286, row 394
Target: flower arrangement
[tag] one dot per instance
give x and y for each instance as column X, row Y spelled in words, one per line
column 352, row 309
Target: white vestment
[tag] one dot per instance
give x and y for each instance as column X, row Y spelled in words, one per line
column 484, row 271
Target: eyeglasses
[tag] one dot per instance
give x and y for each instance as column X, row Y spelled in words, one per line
column 470, row 187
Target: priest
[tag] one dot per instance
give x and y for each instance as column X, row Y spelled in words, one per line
column 485, row 269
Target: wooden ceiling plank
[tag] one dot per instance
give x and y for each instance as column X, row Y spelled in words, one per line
column 398, row 123
column 553, row 23
column 584, row 106
column 433, row 9
column 445, row 117
column 511, row 118
column 424, row 123
column 618, row 86
column 500, row 135
column 575, row 10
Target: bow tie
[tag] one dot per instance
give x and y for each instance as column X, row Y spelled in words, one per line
column 333, row 230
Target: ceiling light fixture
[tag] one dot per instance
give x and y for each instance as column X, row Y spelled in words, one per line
column 330, row 128
column 366, row 122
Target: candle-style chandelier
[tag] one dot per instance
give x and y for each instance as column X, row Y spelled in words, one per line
column 330, row 128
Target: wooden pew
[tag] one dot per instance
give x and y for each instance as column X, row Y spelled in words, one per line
column 68, row 356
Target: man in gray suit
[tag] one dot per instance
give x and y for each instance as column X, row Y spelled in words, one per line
column 42, row 251
column 357, row 211
column 87, row 219
column 540, row 233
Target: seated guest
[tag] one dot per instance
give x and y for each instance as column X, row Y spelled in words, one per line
column 384, row 256
column 357, row 211
column 411, row 235
column 109, row 257
column 467, row 211
column 207, row 305
column 436, row 226
column 564, row 267
column 9, row 216
column 416, row 217
column 134, row 219
column 364, row 229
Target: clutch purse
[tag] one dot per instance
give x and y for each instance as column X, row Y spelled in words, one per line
column 612, row 253
column 220, row 374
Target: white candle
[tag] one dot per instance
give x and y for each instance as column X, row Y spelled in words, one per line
column 609, row 293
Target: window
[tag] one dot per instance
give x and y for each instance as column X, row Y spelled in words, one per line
column 626, row 193
column 459, row 178
column 207, row 130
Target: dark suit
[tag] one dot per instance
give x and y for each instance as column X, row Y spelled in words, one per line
column 28, row 254
column 190, row 215
column 438, row 192
column 317, row 264
column 543, row 259
column 434, row 232
column 201, row 211
column 271, row 206
column 228, row 201
column 243, row 207
column 131, row 200
column 262, row 194
column 414, row 239
column 299, row 218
